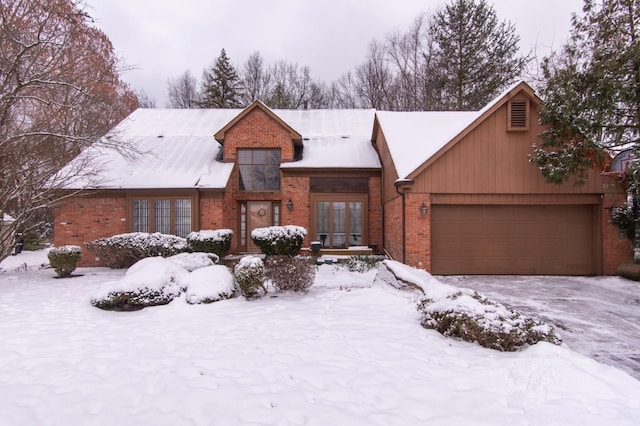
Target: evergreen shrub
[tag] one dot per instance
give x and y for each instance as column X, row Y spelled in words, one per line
column 64, row 259
column 361, row 263
column 211, row 241
column 279, row 240
column 123, row 250
column 250, row 276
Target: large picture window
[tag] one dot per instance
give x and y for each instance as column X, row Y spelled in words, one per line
column 339, row 222
column 259, row 169
column 165, row 215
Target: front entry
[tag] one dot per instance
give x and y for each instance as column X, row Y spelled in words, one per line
column 259, row 215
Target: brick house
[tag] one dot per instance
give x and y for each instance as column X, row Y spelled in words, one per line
column 452, row 192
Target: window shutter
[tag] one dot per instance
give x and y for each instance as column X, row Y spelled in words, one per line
column 519, row 114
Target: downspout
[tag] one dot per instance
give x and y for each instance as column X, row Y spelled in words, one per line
column 401, row 186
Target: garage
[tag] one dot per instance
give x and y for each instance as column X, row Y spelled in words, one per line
column 514, row 239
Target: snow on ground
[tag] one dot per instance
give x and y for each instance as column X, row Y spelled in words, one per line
column 348, row 352
column 596, row 316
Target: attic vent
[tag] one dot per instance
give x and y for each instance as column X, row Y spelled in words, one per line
column 518, row 114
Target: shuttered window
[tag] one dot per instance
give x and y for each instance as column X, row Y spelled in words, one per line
column 518, row 114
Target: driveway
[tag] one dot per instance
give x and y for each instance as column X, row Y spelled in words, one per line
column 596, row 316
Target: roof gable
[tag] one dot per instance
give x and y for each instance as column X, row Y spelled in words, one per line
column 417, row 139
column 220, row 134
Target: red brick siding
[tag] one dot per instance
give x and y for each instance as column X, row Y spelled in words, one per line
column 616, row 249
column 393, row 228
column 212, row 212
column 297, row 190
column 82, row 219
column 374, row 221
column 258, row 130
column 418, row 231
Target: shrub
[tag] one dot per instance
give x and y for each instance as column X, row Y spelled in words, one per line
column 123, row 250
column 250, row 276
column 472, row 317
column 193, row 261
column 361, row 263
column 150, row 282
column 622, row 218
column 218, row 241
column 290, row 273
column 209, row 284
column 279, row 240
column 64, row 259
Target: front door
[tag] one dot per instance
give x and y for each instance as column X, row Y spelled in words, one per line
column 258, row 216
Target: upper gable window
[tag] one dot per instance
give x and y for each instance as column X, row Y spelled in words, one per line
column 259, row 169
column 518, row 114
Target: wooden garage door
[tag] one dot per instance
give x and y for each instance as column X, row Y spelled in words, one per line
column 506, row 239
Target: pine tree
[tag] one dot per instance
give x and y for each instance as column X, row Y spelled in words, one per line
column 474, row 56
column 221, row 85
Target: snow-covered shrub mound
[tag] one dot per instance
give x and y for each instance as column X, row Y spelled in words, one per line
column 467, row 315
column 250, row 276
column 279, row 240
column 290, row 273
column 472, row 317
column 155, row 281
column 193, row 261
column 64, row 259
column 211, row 241
column 123, row 250
column 361, row 263
column 210, row 284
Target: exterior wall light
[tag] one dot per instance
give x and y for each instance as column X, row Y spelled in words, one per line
column 290, row 204
column 423, row 209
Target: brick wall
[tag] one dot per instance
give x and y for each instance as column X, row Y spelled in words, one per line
column 616, row 249
column 375, row 221
column 393, row 228
column 257, row 130
column 418, row 231
column 82, row 219
column 297, row 189
column 212, row 212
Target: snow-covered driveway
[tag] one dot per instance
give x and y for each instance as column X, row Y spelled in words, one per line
column 596, row 316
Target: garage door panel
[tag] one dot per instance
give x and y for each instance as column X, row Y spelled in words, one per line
column 503, row 239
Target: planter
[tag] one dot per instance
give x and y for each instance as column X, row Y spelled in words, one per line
column 315, row 247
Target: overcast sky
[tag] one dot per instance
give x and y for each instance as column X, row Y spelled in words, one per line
column 162, row 39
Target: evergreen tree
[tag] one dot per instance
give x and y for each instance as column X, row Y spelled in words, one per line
column 221, row 85
column 474, row 55
column 591, row 91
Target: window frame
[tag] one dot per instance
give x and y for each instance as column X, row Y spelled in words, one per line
column 151, row 198
column 340, row 198
column 260, row 166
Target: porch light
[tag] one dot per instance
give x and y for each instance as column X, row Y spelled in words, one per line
column 423, row 210
column 290, row 204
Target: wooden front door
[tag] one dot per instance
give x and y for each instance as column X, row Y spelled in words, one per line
column 258, row 216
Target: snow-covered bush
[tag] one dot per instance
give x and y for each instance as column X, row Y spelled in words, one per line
column 193, row 261
column 123, row 250
column 150, row 282
column 209, row 284
column 250, row 276
column 279, row 240
column 64, row 259
column 290, row 273
column 361, row 263
column 470, row 316
column 208, row 241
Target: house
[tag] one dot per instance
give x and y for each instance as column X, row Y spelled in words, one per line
column 452, row 192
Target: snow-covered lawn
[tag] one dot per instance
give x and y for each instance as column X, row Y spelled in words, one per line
column 350, row 352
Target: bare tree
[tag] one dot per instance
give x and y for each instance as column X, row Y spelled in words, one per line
column 375, row 79
column 60, row 91
column 291, row 84
column 344, row 93
column 144, row 100
column 256, row 79
column 183, row 91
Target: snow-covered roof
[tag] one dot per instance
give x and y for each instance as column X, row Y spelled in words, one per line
column 413, row 137
column 179, row 151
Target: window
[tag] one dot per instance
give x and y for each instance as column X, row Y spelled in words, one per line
column 165, row 215
column 339, row 223
column 518, row 114
column 259, row 169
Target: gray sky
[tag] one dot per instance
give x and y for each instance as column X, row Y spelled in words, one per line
column 162, row 39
